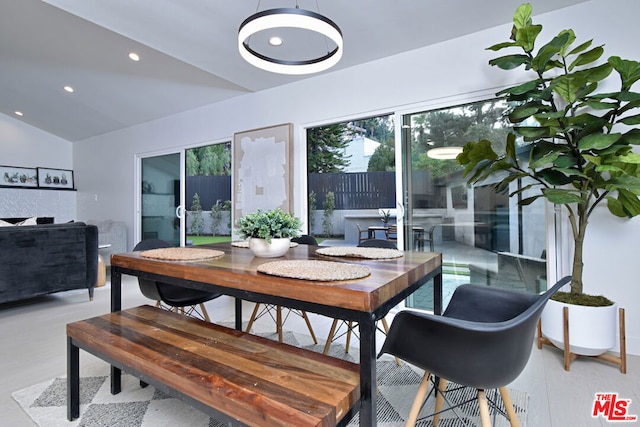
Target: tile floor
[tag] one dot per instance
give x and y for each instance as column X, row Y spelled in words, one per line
column 34, row 350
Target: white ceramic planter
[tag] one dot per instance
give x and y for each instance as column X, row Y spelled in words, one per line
column 277, row 247
column 592, row 330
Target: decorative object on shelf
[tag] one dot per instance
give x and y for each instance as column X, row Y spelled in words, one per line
column 14, row 176
column 581, row 151
column 273, row 23
column 55, row 178
column 269, row 231
column 262, row 170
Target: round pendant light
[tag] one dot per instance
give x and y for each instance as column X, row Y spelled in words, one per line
column 292, row 18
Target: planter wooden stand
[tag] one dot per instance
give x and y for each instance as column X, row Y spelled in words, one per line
column 569, row 357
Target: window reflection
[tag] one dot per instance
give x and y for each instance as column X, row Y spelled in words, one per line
column 485, row 237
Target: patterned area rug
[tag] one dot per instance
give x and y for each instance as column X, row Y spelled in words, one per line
column 46, row 402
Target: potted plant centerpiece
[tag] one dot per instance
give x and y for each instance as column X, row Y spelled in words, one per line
column 269, row 232
column 580, row 140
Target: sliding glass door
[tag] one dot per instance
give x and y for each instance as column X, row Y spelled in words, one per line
column 161, row 198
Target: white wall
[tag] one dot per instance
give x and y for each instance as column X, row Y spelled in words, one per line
column 26, row 146
column 442, row 75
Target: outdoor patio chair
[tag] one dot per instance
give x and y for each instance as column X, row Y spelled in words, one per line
column 362, row 234
column 483, row 340
column 175, row 298
column 392, row 233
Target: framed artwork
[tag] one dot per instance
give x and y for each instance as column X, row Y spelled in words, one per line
column 262, row 169
column 55, row 178
column 13, row 176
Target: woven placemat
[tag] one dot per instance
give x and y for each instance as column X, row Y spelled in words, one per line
column 181, row 254
column 323, row 271
column 245, row 244
column 358, row 252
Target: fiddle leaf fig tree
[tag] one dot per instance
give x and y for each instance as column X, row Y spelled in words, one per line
column 581, row 139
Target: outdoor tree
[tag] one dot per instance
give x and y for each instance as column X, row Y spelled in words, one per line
column 379, row 129
column 197, row 221
column 216, row 216
column 455, row 127
column 326, row 148
column 327, row 219
column 312, row 210
column 383, row 159
column 210, row 160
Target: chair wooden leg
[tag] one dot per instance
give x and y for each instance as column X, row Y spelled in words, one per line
column 485, row 418
column 349, row 326
column 332, row 332
column 253, row 318
column 279, row 322
column 508, row 406
column 158, row 303
column 417, row 402
column 442, row 387
column 306, row 319
column 204, row 313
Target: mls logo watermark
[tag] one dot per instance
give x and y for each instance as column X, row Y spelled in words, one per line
column 612, row 408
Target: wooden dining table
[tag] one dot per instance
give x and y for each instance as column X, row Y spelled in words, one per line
column 363, row 300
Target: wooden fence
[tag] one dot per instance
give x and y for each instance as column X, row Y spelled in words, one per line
column 357, row 190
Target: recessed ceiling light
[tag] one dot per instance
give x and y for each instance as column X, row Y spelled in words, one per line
column 275, row 41
column 18, row 113
column 68, row 89
column 134, row 56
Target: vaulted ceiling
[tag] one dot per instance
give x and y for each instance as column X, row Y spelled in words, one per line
column 188, row 50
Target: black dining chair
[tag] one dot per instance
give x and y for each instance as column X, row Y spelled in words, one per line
column 175, row 298
column 350, row 326
column 378, row 243
column 269, row 309
column 305, row 239
column 482, row 340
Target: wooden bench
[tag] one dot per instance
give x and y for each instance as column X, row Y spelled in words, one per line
column 238, row 378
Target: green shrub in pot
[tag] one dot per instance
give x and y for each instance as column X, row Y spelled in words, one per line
column 269, row 224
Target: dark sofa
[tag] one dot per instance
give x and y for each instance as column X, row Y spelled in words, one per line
column 43, row 259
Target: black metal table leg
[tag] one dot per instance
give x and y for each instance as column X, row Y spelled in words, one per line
column 116, row 305
column 73, row 380
column 368, row 403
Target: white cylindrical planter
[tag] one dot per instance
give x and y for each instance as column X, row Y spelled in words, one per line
column 592, row 330
column 261, row 248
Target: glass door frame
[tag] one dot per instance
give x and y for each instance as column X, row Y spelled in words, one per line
column 137, row 223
